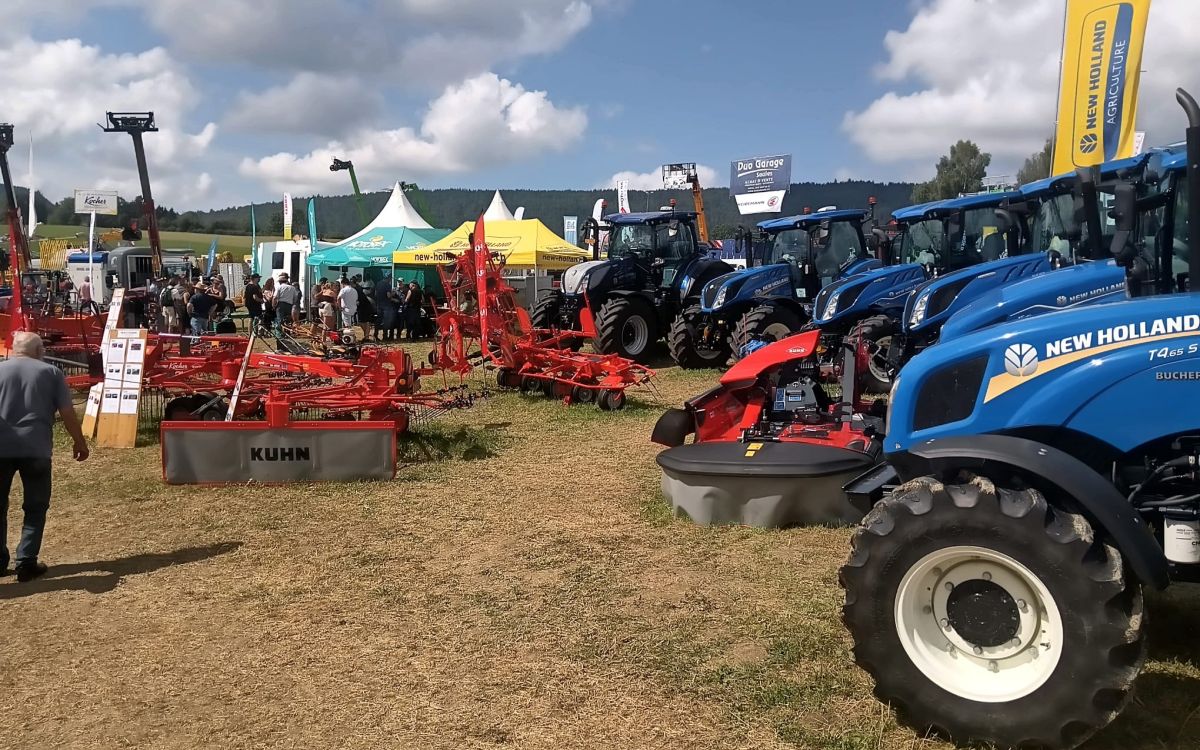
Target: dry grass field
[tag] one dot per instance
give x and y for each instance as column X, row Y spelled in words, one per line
column 521, row 584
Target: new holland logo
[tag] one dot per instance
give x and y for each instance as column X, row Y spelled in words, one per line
column 1020, row 360
column 1088, row 143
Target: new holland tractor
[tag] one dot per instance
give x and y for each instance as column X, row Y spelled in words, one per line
column 799, row 254
column 1067, row 227
column 655, row 268
column 995, row 594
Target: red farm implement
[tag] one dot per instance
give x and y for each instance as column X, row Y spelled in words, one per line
column 482, row 313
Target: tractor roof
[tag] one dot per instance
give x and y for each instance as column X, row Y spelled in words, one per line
column 1172, row 158
column 914, row 213
column 794, row 222
column 649, row 217
column 1063, row 183
column 983, row 200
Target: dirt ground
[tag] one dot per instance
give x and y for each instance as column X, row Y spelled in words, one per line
column 520, row 584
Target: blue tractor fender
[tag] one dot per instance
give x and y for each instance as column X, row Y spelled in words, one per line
column 1097, row 282
column 884, row 290
column 935, row 301
column 1040, row 464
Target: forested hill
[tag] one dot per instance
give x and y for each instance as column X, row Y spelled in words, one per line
column 337, row 218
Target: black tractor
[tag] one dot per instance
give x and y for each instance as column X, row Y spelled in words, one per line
column 655, row 268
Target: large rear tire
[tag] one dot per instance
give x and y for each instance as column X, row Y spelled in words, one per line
column 765, row 323
column 876, row 333
column 626, row 326
column 545, row 312
column 987, row 615
column 683, row 342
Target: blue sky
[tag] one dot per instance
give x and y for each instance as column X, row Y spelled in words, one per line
column 254, row 97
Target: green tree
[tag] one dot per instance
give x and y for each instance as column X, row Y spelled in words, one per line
column 961, row 171
column 1038, row 165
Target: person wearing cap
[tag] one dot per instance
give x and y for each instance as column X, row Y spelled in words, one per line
column 286, row 298
column 252, row 296
column 201, row 307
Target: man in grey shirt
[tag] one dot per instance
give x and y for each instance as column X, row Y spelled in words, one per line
column 31, row 392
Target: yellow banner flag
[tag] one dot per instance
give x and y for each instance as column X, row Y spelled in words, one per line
column 1102, row 62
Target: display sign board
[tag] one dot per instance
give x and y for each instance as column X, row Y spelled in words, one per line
column 571, row 229
column 226, row 452
column 102, row 202
column 287, row 216
column 678, row 176
column 758, row 184
column 623, row 196
column 91, row 411
column 122, row 388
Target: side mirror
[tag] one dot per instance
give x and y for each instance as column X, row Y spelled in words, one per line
column 1087, row 208
column 1124, row 213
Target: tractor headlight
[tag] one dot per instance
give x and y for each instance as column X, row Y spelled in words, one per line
column 720, row 299
column 831, row 306
column 918, row 313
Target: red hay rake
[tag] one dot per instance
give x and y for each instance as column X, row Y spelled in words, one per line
column 482, row 312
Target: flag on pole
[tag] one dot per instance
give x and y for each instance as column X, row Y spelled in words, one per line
column 212, row 257
column 253, row 242
column 287, row 216
column 1101, row 68
column 312, row 225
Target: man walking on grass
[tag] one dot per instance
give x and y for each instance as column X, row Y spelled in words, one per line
column 31, row 392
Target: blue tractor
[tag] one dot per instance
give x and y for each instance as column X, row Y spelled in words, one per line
column 799, row 255
column 1066, row 227
column 961, row 234
column 995, row 593
column 655, row 269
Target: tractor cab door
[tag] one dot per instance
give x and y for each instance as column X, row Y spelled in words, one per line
column 835, row 245
column 674, row 246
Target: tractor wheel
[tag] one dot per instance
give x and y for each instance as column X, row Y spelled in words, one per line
column 987, row 615
column 766, row 323
column 625, row 326
column 581, row 395
column 876, row 332
column 544, row 313
column 610, row 400
column 683, row 342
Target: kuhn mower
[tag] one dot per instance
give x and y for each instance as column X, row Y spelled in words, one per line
column 772, row 447
column 483, row 323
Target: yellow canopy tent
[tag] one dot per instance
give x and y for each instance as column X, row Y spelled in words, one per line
column 525, row 244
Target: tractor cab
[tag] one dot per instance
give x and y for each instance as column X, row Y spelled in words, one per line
column 661, row 242
column 819, row 248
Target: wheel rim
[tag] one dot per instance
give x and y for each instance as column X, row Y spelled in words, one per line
column 878, row 361
column 635, row 334
column 979, row 624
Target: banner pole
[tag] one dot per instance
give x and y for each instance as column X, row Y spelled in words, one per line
column 91, row 249
column 1062, row 59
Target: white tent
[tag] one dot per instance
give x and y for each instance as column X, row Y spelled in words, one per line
column 397, row 212
column 498, row 211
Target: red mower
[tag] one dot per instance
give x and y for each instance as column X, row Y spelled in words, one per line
column 771, row 446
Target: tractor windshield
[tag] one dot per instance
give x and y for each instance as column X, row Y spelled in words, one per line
column 789, row 246
column 979, row 237
column 923, row 242
column 632, row 239
column 834, row 243
column 1055, row 227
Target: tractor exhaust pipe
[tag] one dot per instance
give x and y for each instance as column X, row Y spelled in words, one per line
column 1193, row 184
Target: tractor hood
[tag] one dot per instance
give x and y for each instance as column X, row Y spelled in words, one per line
column 752, row 283
column 596, row 277
column 575, row 278
column 935, row 301
column 1075, row 286
column 884, row 289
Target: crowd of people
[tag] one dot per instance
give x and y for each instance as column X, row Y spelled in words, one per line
column 384, row 311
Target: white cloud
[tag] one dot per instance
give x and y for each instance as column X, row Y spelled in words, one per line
column 483, row 121
column 419, row 43
column 653, row 180
column 988, row 71
column 66, row 87
column 311, row 103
